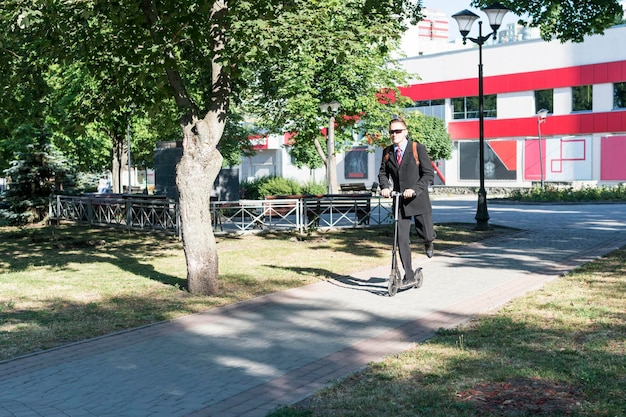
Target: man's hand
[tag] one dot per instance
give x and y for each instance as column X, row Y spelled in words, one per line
column 386, row 192
column 409, row 193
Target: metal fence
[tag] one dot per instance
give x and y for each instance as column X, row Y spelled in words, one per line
column 162, row 214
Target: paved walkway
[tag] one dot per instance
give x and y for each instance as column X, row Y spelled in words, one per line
column 250, row 358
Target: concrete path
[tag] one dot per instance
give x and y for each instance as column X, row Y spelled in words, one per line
column 250, row 358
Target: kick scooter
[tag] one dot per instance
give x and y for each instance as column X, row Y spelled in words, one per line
column 396, row 281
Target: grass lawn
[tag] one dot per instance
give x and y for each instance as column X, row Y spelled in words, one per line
column 68, row 283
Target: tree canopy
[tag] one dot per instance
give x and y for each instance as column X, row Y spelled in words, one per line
column 565, row 20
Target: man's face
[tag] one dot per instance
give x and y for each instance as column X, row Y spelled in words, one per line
column 398, row 132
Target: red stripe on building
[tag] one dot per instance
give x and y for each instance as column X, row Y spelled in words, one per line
column 569, row 124
column 527, row 81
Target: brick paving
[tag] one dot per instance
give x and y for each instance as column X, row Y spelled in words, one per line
column 247, row 359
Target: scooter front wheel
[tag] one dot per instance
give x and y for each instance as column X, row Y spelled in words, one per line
column 393, row 284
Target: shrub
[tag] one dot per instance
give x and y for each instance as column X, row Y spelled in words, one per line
column 258, row 188
column 312, row 187
column 571, row 194
column 279, row 186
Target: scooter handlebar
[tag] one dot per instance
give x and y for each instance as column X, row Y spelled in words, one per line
column 398, row 194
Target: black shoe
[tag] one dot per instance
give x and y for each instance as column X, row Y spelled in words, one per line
column 430, row 249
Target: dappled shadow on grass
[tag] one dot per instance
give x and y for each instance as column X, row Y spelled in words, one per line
column 59, row 247
column 61, row 320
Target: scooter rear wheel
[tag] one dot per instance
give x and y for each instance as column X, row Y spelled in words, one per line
column 419, row 278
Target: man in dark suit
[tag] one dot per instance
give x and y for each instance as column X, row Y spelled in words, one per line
column 409, row 174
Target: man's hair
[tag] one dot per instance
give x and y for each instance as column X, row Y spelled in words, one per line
column 398, row 119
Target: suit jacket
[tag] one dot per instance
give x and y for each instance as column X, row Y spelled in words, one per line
column 410, row 174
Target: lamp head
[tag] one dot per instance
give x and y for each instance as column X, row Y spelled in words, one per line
column 542, row 114
column 495, row 13
column 465, row 19
column 333, row 106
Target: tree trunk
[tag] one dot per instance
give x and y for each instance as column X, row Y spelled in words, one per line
column 195, row 173
column 201, row 161
column 118, row 162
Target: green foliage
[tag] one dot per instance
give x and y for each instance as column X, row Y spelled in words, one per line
column 258, row 188
column 429, row 130
column 565, row 20
column 312, row 187
column 33, row 177
column 571, row 194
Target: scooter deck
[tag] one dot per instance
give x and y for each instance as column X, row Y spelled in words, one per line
column 396, row 284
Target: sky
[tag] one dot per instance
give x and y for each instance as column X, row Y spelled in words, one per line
column 450, row 7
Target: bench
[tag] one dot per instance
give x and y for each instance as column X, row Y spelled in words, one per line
column 356, row 187
column 342, row 205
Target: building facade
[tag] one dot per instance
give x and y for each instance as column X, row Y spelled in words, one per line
column 582, row 86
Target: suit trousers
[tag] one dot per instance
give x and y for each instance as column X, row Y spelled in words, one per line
column 425, row 233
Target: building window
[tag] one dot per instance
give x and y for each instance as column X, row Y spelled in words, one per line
column 619, row 95
column 582, row 98
column 429, row 103
column 544, row 99
column 467, row 107
column 435, row 108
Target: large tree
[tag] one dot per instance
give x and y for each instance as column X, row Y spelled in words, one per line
column 204, row 55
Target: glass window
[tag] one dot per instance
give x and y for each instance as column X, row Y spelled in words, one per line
column 468, row 107
column 582, row 98
column 490, row 105
column 544, row 99
column 458, row 108
column 428, row 103
column 619, row 95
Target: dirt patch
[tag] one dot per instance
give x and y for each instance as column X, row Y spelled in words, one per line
column 524, row 396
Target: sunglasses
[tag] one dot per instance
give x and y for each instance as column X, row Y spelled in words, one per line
column 396, row 131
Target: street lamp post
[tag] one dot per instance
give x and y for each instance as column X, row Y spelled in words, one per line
column 541, row 118
column 132, row 109
column 465, row 19
column 331, row 109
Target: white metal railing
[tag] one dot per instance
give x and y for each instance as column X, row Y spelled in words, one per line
column 161, row 214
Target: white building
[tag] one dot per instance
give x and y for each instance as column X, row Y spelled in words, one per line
column 583, row 86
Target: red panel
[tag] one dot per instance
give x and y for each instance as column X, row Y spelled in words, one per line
column 615, row 70
column 616, row 122
column 258, row 142
column 601, row 74
column 571, row 124
column 600, row 123
column 532, row 167
column 612, row 151
column 507, row 152
column 588, row 74
column 587, row 122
